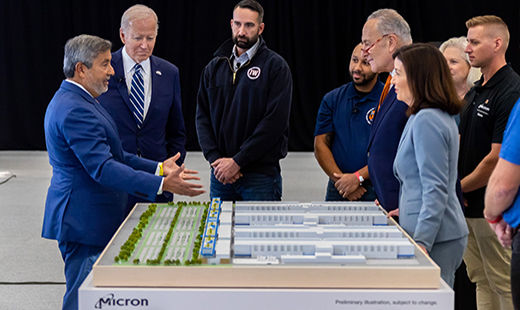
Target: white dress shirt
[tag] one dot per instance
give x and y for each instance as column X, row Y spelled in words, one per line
column 79, row 85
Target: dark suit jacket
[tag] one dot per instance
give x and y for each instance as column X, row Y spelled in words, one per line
column 92, row 174
column 162, row 134
column 384, row 138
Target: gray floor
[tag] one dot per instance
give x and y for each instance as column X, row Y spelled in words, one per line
column 31, row 269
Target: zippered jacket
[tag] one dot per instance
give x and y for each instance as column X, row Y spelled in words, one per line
column 245, row 114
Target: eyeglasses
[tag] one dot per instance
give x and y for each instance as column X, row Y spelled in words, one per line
column 367, row 49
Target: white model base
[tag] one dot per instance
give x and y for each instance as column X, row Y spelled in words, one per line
column 94, row 298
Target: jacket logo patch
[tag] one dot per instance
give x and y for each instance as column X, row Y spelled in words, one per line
column 370, row 116
column 253, row 73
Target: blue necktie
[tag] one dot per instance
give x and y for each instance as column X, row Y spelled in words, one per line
column 137, row 95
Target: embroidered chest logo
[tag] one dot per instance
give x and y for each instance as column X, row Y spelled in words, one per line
column 370, row 115
column 253, row 73
column 483, row 109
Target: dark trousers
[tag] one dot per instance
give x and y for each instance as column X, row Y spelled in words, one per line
column 515, row 271
column 251, row 186
column 333, row 194
column 79, row 259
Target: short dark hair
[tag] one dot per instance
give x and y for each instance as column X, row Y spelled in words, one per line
column 429, row 78
column 253, row 6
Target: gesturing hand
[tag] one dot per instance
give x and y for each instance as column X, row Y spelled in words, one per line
column 174, row 182
column 170, row 165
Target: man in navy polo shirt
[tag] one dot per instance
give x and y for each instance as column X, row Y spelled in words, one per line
column 342, row 130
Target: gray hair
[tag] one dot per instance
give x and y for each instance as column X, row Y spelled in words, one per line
column 460, row 44
column 392, row 22
column 83, row 48
column 136, row 12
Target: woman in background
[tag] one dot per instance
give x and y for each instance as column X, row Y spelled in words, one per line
column 426, row 160
column 463, row 74
column 464, row 77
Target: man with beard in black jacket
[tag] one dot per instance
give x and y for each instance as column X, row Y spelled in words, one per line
column 243, row 107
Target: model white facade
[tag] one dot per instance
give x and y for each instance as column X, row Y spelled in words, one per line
column 318, row 232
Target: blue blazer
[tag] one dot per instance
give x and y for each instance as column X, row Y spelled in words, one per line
column 426, row 167
column 162, row 134
column 92, row 174
column 384, row 138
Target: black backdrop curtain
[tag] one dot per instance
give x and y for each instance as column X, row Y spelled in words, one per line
column 315, row 37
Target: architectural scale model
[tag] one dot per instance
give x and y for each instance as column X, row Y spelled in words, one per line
column 167, row 234
column 263, row 244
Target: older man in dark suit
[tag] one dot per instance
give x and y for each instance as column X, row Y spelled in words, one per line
column 383, row 33
column 144, row 95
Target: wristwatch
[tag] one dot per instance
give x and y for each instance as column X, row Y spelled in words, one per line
column 360, row 177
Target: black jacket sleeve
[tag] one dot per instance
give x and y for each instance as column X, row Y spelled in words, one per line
column 206, row 135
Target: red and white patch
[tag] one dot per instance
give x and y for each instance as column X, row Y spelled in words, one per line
column 253, row 73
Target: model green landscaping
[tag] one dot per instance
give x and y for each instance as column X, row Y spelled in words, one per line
column 167, row 234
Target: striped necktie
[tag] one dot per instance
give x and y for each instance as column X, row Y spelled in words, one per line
column 137, row 95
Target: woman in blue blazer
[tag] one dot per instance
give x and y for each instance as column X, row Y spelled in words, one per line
column 426, row 160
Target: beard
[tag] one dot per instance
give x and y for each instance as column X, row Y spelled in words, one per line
column 100, row 87
column 245, row 42
column 364, row 80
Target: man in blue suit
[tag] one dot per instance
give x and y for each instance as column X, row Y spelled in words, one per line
column 148, row 116
column 384, row 32
column 92, row 174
